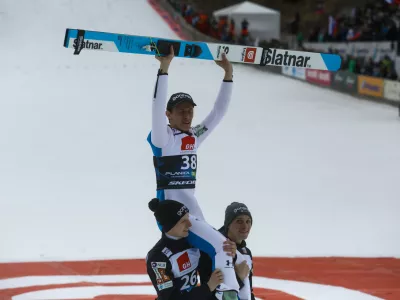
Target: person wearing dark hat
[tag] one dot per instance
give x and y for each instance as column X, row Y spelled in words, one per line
column 174, row 147
column 172, row 263
column 237, row 225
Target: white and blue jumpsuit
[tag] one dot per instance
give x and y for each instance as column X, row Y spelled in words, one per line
column 175, row 162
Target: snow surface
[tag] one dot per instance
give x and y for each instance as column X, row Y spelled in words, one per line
column 319, row 170
column 304, row 290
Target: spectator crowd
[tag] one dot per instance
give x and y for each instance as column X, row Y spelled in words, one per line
column 378, row 21
column 222, row 29
column 367, row 66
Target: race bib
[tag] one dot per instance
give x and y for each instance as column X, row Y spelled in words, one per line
column 176, row 172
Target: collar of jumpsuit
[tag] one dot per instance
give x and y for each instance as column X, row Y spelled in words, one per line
column 173, row 243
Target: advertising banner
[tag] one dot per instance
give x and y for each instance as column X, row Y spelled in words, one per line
column 338, row 79
column 299, row 73
column 350, row 83
column 319, row 77
column 391, row 90
column 344, row 81
column 370, row 86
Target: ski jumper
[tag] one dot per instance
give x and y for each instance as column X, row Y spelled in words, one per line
column 175, row 163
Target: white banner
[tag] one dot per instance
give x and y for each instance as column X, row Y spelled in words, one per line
column 391, row 90
column 299, row 73
column 376, row 50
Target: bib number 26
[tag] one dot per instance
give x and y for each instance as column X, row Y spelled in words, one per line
column 190, row 280
column 189, row 161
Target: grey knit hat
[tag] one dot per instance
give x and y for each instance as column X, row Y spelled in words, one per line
column 234, row 210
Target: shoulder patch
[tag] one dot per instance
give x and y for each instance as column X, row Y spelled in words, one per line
column 199, row 130
column 167, row 252
column 162, row 265
column 166, row 285
column 163, row 280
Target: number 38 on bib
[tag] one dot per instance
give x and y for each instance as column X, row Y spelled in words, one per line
column 176, row 172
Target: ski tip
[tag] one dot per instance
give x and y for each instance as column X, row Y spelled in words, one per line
column 332, row 61
column 66, row 39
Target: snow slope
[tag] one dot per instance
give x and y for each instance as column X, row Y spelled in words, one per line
column 319, row 170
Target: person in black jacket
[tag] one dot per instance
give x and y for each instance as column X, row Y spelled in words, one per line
column 172, row 263
column 237, row 225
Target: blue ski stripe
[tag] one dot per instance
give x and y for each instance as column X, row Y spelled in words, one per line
column 332, row 62
column 133, row 43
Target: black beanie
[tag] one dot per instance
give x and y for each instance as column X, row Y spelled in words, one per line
column 234, row 210
column 167, row 212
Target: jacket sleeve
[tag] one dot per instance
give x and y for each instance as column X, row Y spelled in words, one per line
column 159, row 271
column 251, row 275
column 159, row 127
column 221, row 104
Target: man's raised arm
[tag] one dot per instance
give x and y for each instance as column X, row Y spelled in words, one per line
column 159, row 128
column 221, row 103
